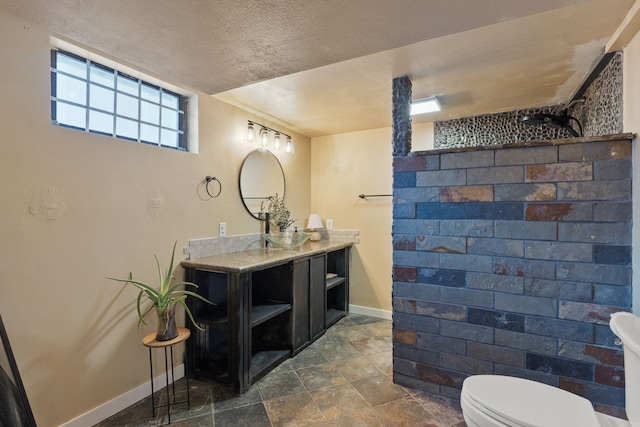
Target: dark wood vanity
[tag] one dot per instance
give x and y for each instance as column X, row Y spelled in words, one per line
column 269, row 305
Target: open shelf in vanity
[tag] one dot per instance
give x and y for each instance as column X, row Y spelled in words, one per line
column 270, row 300
column 337, row 287
column 265, row 311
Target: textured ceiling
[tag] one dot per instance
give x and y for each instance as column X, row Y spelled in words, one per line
column 325, row 66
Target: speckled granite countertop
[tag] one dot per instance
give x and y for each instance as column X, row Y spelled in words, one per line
column 257, row 259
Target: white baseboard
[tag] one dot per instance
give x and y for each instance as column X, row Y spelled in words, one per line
column 123, row 401
column 127, row 399
column 368, row 311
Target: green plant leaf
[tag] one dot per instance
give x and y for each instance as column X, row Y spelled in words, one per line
column 140, row 316
column 167, row 294
column 159, row 272
column 200, row 297
column 186, row 310
column 173, row 254
column 151, row 292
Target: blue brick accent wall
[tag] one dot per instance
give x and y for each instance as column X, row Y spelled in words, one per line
column 510, row 260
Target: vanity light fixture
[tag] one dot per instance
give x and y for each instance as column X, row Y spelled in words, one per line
column 251, row 133
column 425, row 105
column 264, row 138
column 277, row 143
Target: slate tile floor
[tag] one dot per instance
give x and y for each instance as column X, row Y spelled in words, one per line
column 343, row 379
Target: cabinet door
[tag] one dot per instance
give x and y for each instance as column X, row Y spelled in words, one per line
column 317, row 295
column 301, row 268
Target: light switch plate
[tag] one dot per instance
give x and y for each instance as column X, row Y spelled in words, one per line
column 222, row 229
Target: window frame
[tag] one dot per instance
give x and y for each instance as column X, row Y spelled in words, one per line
column 181, row 110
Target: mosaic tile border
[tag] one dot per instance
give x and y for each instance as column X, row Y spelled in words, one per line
column 599, row 114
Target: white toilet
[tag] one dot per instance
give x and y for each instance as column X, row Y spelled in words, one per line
column 498, row 401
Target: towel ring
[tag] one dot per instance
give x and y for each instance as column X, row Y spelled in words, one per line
column 208, row 179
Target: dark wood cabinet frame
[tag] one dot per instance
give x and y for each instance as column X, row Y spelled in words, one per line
column 263, row 316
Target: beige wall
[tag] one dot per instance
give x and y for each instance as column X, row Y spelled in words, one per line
column 631, row 119
column 75, row 334
column 344, row 166
column 422, row 137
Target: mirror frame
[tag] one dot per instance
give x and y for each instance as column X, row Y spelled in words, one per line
column 284, row 181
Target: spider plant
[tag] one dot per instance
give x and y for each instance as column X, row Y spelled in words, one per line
column 167, row 296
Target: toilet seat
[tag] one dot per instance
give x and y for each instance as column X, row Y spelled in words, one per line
column 519, row 402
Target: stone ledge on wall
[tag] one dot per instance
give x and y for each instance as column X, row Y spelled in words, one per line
column 523, row 144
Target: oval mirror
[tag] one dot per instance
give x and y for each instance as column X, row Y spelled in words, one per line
column 261, row 176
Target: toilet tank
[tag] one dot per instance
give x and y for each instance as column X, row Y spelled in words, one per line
column 627, row 327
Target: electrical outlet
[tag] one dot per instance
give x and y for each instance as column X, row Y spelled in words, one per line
column 222, row 229
column 329, row 224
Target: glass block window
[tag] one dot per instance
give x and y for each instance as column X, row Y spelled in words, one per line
column 93, row 98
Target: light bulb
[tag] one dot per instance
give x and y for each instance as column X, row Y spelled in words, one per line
column 276, row 141
column 288, row 146
column 264, row 137
column 251, row 133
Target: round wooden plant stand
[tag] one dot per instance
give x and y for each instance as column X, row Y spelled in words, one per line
column 150, row 342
